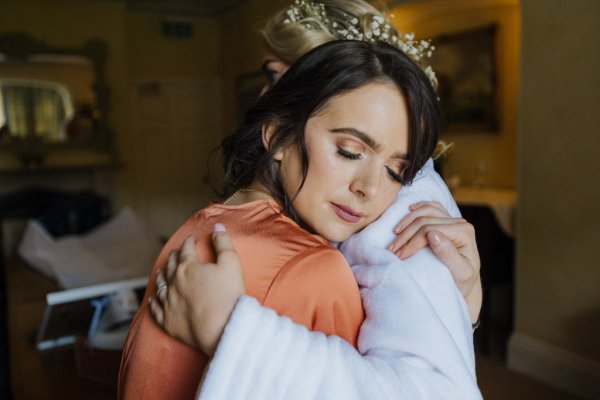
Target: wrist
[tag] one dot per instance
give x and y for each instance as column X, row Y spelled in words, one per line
column 474, row 301
column 212, row 328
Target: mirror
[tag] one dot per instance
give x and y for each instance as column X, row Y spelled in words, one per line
column 52, row 96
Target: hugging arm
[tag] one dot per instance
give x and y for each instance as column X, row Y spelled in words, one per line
column 416, row 341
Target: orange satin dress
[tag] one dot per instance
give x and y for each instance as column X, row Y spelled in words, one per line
column 298, row 274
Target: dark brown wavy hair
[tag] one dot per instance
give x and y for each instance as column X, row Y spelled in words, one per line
column 327, row 71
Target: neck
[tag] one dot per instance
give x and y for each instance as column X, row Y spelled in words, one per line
column 255, row 191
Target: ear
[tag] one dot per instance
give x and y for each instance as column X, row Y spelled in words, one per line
column 268, row 130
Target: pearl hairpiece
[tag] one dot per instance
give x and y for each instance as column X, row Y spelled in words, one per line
column 314, row 17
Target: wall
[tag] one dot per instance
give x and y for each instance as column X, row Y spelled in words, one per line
column 242, row 48
column 174, row 92
column 558, row 271
column 429, row 19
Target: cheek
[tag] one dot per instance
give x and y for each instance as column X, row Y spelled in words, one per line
column 324, row 165
column 290, row 170
column 387, row 197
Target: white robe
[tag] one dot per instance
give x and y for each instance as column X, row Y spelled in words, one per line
column 415, row 343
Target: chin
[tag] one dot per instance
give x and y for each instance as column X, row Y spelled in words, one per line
column 336, row 237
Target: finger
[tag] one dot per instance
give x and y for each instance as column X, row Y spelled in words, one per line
column 420, row 204
column 460, row 234
column 188, row 250
column 408, row 232
column 424, row 210
column 410, row 248
column 172, row 261
column 224, row 249
column 161, row 286
column 157, row 312
column 460, row 267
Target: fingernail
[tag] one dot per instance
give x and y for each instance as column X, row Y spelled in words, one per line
column 434, row 238
column 391, row 248
column 219, row 228
column 149, row 300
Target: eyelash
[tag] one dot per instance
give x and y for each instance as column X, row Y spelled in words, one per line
column 354, row 156
column 395, row 176
column 349, row 155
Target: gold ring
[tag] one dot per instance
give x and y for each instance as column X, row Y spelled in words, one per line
column 160, row 287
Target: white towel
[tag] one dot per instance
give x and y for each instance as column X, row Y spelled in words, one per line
column 416, row 341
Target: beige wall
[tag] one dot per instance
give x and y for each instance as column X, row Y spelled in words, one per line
column 165, row 159
column 558, row 266
column 242, row 47
column 497, row 150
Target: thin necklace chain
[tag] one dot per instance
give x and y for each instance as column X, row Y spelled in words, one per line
column 242, row 190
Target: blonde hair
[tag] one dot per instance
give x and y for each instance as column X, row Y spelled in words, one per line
column 290, row 40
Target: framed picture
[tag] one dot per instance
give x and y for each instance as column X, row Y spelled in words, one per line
column 466, row 70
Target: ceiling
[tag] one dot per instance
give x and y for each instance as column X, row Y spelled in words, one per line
column 195, row 7
column 213, row 7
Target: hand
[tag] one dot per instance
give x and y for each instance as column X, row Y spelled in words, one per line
column 195, row 300
column 451, row 239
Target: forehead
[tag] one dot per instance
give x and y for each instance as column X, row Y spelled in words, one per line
column 376, row 109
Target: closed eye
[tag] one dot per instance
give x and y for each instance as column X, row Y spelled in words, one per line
column 270, row 75
column 395, row 175
column 349, row 155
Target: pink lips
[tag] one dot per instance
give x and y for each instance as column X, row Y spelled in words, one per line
column 347, row 213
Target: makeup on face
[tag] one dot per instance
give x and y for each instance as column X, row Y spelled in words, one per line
column 357, row 150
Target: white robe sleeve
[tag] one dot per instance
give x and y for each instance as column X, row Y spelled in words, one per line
column 415, row 343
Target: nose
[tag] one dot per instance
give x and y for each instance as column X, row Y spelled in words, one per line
column 367, row 181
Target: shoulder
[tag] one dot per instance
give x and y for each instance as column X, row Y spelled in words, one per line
column 317, row 288
column 321, row 260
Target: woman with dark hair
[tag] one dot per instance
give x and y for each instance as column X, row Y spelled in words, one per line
column 318, row 158
column 303, row 25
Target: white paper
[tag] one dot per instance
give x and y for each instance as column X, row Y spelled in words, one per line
column 120, row 249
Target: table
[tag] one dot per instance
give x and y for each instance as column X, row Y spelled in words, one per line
column 51, row 374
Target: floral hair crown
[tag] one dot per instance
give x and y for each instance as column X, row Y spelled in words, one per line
column 314, row 17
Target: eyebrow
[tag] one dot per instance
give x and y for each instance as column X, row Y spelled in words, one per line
column 367, row 139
